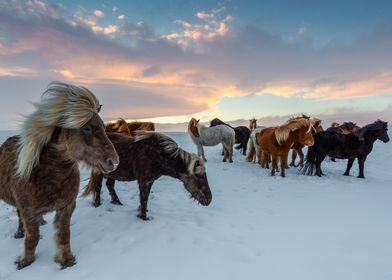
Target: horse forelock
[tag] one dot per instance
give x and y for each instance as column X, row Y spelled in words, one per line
column 192, row 127
column 282, row 132
column 62, row 105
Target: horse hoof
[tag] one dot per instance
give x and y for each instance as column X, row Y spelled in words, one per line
column 223, row 160
column 143, row 217
column 96, row 204
column 65, row 262
column 116, row 202
column 346, row 174
column 282, row 175
column 361, row 177
column 231, row 161
column 19, row 235
column 23, row 262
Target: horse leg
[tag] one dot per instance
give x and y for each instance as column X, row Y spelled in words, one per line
column 144, row 193
column 110, row 185
column 283, row 164
column 230, row 150
column 62, row 223
column 31, row 226
column 301, row 157
column 225, row 154
column 20, row 231
column 200, row 152
column 251, row 153
column 244, row 147
column 293, row 157
column 274, row 165
column 319, row 159
column 361, row 163
column 97, row 191
column 350, row 162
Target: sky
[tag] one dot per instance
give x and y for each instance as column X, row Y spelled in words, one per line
column 169, row 60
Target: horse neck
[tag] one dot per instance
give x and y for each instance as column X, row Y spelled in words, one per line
column 56, row 151
column 174, row 167
column 370, row 137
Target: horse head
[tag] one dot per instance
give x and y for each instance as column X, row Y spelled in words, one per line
column 195, row 180
column 379, row 129
column 192, row 127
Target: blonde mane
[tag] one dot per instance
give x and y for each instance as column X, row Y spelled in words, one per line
column 282, row 132
column 62, row 105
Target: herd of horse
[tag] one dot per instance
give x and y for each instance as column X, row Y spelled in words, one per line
column 39, row 169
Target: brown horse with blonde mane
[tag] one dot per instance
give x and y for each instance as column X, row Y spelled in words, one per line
column 277, row 141
column 39, row 170
column 144, row 126
column 119, row 126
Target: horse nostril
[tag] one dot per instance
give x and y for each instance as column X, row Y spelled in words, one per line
column 111, row 163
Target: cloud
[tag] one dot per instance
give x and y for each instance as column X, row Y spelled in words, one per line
column 121, row 17
column 98, row 13
column 206, row 58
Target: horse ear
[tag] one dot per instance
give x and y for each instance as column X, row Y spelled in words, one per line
column 99, row 108
column 198, row 121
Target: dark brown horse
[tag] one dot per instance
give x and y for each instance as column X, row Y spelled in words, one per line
column 143, row 126
column 145, row 158
column 277, row 141
column 345, row 128
column 350, row 146
column 39, row 169
column 242, row 134
column 297, row 147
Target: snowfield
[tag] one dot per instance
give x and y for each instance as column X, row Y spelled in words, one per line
column 257, row 227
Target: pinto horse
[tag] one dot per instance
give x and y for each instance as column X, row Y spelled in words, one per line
column 212, row 136
column 350, row 146
column 277, row 141
column 242, row 134
column 254, row 148
column 252, row 124
column 145, row 158
column 39, row 170
column 297, row 147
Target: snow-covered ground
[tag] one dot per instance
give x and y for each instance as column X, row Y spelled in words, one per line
column 257, row 227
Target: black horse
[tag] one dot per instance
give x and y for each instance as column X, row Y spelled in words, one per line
column 145, row 158
column 242, row 134
column 357, row 144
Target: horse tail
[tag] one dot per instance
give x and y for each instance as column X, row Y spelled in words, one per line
column 310, row 163
column 92, row 184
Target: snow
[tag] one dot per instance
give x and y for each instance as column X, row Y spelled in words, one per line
column 257, row 227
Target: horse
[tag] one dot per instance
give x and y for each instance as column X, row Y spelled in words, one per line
column 297, row 147
column 136, row 125
column 212, row 136
column 242, row 134
column 145, row 158
column 252, row 124
column 345, row 128
column 350, row 146
column 277, row 141
column 39, row 170
column 120, row 126
column 254, row 148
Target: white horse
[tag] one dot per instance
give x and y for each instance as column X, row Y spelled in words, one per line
column 212, row 136
column 254, row 148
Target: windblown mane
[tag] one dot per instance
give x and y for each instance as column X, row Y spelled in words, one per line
column 377, row 125
column 192, row 127
column 282, row 132
column 170, row 148
column 62, row 105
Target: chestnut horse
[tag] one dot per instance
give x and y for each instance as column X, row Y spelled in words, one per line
column 144, row 126
column 120, row 126
column 277, row 141
column 297, row 147
column 145, row 158
column 39, row 170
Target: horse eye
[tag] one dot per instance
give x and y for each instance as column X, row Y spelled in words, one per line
column 87, row 129
column 197, row 164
